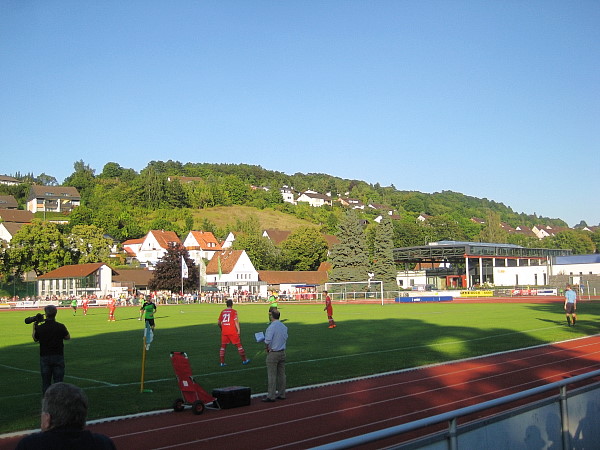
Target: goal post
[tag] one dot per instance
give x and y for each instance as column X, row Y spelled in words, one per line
column 356, row 290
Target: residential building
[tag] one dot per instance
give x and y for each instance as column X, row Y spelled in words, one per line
column 155, row 246
column 9, row 181
column 314, row 199
column 53, row 198
column 15, row 215
column 8, row 230
column 276, row 236
column 288, row 194
column 352, row 203
column 201, row 245
column 228, row 242
column 232, row 270
column 8, row 202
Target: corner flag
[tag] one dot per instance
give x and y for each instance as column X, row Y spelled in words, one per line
column 148, row 335
column 184, row 268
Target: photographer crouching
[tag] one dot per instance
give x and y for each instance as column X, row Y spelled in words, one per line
column 50, row 334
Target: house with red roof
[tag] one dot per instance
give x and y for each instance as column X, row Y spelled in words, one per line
column 154, row 246
column 201, row 244
column 77, row 280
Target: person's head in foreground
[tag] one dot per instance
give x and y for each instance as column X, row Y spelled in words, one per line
column 64, row 405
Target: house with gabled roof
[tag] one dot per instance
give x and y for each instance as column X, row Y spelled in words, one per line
column 352, row 203
column 314, row 199
column 15, row 215
column 77, row 280
column 544, row 231
column 155, row 245
column 8, row 202
column 8, row 230
column 524, row 230
column 288, row 194
column 201, row 245
column 9, row 181
column 232, row 270
column 53, row 198
column 276, row 236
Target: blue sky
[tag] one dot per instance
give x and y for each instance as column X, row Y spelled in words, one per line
column 494, row 99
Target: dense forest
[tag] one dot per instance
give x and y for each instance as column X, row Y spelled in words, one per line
column 126, row 204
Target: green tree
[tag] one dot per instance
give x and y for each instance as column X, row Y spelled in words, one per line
column 82, row 178
column 40, row 247
column 261, row 250
column 304, row 249
column 168, row 271
column 384, row 268
column 578, row 241
column 408, row 233
column 492, row 231
column 595, row 236
column 88, row 244
column 349, row 258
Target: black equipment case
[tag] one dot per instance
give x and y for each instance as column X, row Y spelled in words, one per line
column 232, row 396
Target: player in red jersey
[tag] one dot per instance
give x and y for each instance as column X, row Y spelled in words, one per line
column 329, row 310
column 230, row 332
column 112, row 305
column 85, row 305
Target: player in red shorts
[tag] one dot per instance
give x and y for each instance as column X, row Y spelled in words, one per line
column 85, row 305
column 112, row 305
column 230, row 332
column 329, row 310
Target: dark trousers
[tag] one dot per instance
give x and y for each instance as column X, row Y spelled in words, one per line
column 52, row 368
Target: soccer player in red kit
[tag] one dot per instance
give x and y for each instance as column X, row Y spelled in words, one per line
column 85, row 305
column 112, row 305
column 230, row 332
column 329, row 310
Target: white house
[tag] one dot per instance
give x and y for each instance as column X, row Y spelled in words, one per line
column 314, row 199
column 232, row 270
column 201, row 244
column 8, row 230
column 288, row 194
column 228, row 242
column 155, row 245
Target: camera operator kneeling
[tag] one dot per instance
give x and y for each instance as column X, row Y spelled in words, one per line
column 50, row 334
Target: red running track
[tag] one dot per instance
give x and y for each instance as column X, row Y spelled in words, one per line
column 315, row 416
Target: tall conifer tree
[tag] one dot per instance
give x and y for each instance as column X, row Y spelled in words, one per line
column 349, row 258
column 384, row 268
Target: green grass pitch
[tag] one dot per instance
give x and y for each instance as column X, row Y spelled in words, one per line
column 105, row 358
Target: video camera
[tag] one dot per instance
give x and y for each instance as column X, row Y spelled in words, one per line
column 39, row 317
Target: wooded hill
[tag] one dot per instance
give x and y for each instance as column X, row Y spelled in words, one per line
column 126, row 204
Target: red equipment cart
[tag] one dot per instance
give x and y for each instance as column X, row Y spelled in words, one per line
column 192, row 392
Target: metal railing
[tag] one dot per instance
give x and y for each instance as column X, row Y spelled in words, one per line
column 452, row 416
